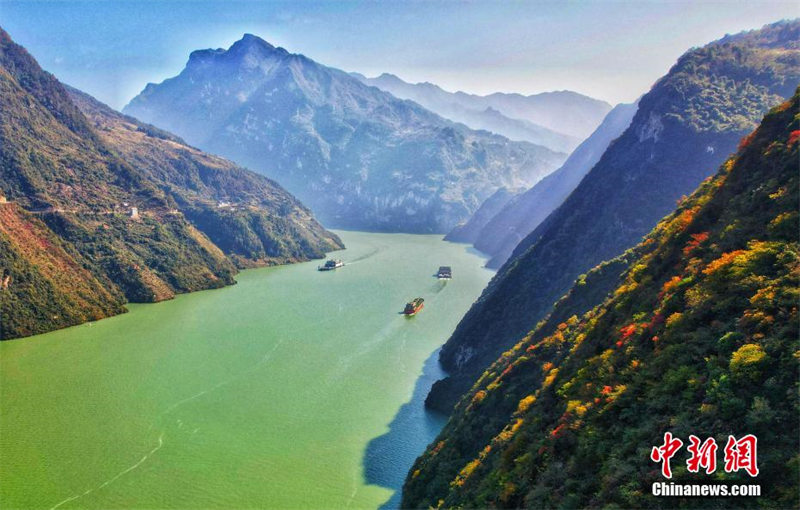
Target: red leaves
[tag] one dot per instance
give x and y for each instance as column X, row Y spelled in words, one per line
column 697, row 240
column 658, row 319
column 746, row 140
column 793, row 137
column 558, row 431
column 627, row 331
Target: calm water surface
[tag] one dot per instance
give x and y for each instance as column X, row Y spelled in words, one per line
column 292, row 389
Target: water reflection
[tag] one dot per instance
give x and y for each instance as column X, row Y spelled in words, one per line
column 388, row 458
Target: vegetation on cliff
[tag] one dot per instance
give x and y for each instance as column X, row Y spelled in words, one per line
column 685, row 126
column 700, row 337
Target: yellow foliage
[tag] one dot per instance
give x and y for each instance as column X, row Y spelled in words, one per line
column 673, row 319
column 525, row 403
column 746, row 360
column 577, row 407
column 550, row 378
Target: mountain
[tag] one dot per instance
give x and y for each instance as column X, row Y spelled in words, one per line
column 683, row 127
column 251, row 218
column 521, row 215
column 559, row 120
column 360, row 157
column 699, row 338
column 98, row 209
column 468, row 232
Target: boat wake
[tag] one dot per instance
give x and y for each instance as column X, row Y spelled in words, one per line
column 264, row 359
column 439, row 286
column 118, row 476
column 365, row 257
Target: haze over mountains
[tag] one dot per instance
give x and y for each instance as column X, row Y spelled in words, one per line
column 498, row 234
column 98, row 209
column 558, row 120
column 360, row 157
column 685, row 127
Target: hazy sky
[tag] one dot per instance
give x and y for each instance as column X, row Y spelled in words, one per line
column 609, row 50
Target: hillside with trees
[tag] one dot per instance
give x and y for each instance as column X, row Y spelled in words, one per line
column 684, row 128
column 699, row 337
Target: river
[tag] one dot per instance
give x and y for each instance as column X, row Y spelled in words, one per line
column 292, row 389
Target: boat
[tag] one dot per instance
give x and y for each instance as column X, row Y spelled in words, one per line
column 330, row 265
column 414, row 306
column 444, row 273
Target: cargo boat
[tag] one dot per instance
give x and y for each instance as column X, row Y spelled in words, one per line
column 413, row 307
column 330, row 265
column 444, row 273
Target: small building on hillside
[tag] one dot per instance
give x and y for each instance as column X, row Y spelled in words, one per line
column 134, row 213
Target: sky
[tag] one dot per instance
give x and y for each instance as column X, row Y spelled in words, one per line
column 611, row 50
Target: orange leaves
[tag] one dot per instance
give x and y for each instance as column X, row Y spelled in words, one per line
column 724, row 260
column 670, row 286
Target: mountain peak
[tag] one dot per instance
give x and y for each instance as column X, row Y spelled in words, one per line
column 251, row 41
column 250, row 50
column 252, row 46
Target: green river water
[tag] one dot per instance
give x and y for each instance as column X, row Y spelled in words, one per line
column 292, row 389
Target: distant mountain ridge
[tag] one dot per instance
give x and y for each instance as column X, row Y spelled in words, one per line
column 501, row 233
column 558, row 120
column 97, row 209
column 684, row 127
column 358, row 156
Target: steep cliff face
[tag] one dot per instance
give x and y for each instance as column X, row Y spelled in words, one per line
column 502, row 233
column 470, row 230
column 123, row 207
column 358, row 156
column 699, row 337
column 683, row 128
